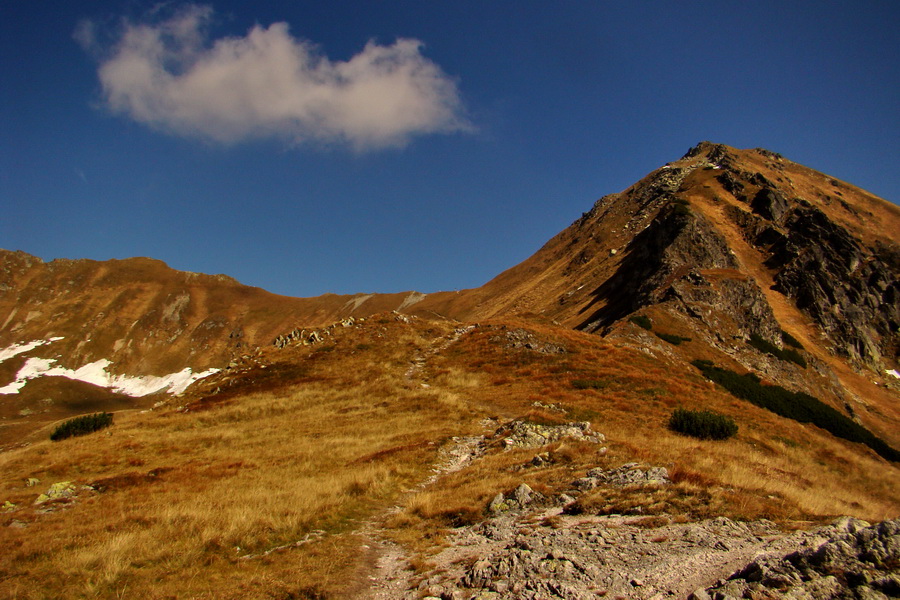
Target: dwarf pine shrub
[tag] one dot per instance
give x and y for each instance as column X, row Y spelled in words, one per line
column 782, row 353
column 81, row 426
column 589, row 384
column 642, row 321
column 791, row 340
column 798, row 406
column 703, row 424
column 672, row 338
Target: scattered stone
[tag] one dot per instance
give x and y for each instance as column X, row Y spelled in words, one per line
column 627, row 474
column 520, row 338
column 9, row 506
column 565, row 499
column 855, row 560
column 552, row 407
column 541, row 459
column 521, row 434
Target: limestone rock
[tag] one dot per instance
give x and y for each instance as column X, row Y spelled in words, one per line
column 520, row 498
column 864, row 555
column 59, row 490
column 627, row 474
column 522, row 434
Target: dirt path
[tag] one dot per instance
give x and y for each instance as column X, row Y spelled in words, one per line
column 392, row 575
column 417, row 365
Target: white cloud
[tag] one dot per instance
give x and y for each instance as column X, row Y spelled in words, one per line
column 269, row 84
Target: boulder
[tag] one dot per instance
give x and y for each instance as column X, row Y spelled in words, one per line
column 59, row 490
column 769, row 204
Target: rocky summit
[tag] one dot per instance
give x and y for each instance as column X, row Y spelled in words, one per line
column 690, row 392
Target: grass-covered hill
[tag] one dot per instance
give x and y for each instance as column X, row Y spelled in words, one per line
column 270, row 479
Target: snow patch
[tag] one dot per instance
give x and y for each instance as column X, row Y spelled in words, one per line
column 95, row 373
column 893, row 372
column 17, row 349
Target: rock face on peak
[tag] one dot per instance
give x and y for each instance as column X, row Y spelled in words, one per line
column 763, row 263
column 725, row 228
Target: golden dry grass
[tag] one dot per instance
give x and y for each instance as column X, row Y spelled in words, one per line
column 323, row 440
column 182, row 496
column 774, row 468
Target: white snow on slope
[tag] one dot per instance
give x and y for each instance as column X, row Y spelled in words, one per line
column 95, row 373
column 17, row 349
column 893, row 372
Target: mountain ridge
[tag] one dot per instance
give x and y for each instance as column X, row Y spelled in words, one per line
column 493, row 442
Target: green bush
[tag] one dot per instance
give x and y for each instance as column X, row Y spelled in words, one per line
column 589, row 384
column 797, row 406
column 681, row 207
column 703, row 424
column 81, row 426
column 781, row 353
column 791, row 340
column 642, row 321
column 673, row 339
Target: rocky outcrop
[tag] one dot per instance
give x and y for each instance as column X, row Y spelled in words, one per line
column 667, row 263
column 848, row 560
column 769, row 204
column 520, row 498
column 852, row 292
column 521, row 339
column 303, row 337
column 624, row 476
column 521, row 434
column 675, row 243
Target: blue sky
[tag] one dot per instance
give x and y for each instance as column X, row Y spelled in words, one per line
column 315, row 147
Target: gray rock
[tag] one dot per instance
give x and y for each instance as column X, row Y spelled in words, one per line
column 863, row 554
column 627, row 474
column 770, row 205
column 522, row 434
column 522, row 495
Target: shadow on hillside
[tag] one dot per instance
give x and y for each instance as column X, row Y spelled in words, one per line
column 630, row 286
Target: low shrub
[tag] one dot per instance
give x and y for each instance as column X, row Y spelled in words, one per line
column 589, row 384
column 791, row 340
column 781, row 353
column 703, row 424
column 798, row 406
column 672, row 338
column 642, row 321
column 81, row 426
column 681, row 207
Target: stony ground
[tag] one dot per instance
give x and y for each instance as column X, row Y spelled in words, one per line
column 546, row 555
column 530, row 549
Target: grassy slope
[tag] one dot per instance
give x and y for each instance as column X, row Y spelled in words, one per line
column 325, row 437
